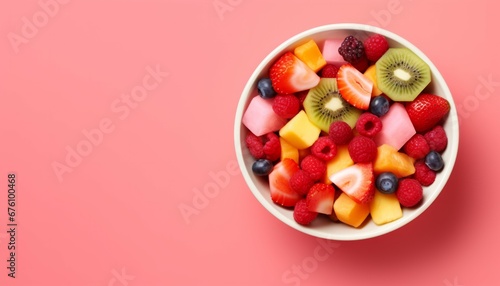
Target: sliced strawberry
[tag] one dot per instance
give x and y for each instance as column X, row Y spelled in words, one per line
column 279, row 183
column 289, row 74
column 320, row 198
column 354, row 86
column 426, row 111
column 356, row 181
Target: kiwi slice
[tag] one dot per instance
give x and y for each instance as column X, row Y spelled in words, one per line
column 324, row 105
column 401, row 74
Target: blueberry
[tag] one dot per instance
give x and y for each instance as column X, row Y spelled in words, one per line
column 379, row 105
column 262, row 167
column 387, row 183
column 434, row 161
column 265, row 88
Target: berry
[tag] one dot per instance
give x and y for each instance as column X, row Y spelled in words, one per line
column 279, row 183
column 426, row 111
column 436, row 138
column 286, row 105
column 434, row 161
column 264, row 147
column 417, row 147
column 329, row 71
column 387, row 182
column 361, row 65
column 324, row 148
column 379, row 105
column 340, row 132
column 314, row 166
column 368, row 124
column 354, row 87
column 262, row 167
column 362, row 149
column 255, row 146
column 289, row 75
column 409, row 192
column 301, row 182
column 375, row 47
column 423, row 174
column 302, row 215
column 265, row 88
column 352, row 49
column 320, row 198
column 356, row 181
column 301, row 95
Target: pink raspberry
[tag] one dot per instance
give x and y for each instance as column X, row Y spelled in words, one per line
column 302, row 215
column 417, row 147
column 409, row 192
column 437, row 139
column 375, row 47
column 329, row 71
column 368, row 124
column 362, row 149
column 340, row 132
column 301, row 182
column 423, row 174
column 286, row 105
column 324, row 148
column 314, row 166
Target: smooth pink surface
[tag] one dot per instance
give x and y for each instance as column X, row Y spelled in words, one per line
column 133, row 103
column 398, row 128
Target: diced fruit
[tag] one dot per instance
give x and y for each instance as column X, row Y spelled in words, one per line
column 379, row 105
column 265, row 88
column 260, row 118
column 349, row 211
column 385, row 208
column 279, row 183
column 356, row 181
column 341, row 161
column 299, row 131
column 289, row 74
column 310, row 54
column 320, row 198
column 386, row 182
column 330, row 51
column 426, row 111
column 370, row 73
column 434, row 161
column 302, row 215
column 398, row 128
column 354, row 87
column 390, row 160
column 288, row 151
column 262, row 167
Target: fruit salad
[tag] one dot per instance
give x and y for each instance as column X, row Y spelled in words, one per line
column 345, row 128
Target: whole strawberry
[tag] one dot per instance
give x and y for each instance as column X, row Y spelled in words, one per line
column 426, row 111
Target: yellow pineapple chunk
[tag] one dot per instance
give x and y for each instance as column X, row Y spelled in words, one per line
column 385, row 208
column 350, row 212
column 299, row 131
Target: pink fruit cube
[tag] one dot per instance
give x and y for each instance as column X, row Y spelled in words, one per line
column 331, row 52
column 396, row 127
column 260, row 118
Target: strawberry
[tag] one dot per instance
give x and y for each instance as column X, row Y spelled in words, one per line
column 426, row 111
column 356, row 181
column 289, row 75
column 279, row 183
column 354, row 86
column 320, row 198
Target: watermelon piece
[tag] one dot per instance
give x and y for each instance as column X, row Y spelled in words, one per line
column 260, row 118
column 330, row 52
column 397, row 127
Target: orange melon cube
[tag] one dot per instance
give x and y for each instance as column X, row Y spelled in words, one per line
column 385, row 208
column 341, row 161
column 350, row 212
column 388, row 159
column 288, row 151
column 310, row 54
column 370, row 73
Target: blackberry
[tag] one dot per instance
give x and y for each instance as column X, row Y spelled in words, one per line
column 352, row 49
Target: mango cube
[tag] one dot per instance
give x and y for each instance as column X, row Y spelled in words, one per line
column 310, row 54
column 288, row 151
column 341, row 161
column 299, row 131
column 388, row 159
column 350, row 212
column 371, row 74
column 385, row 208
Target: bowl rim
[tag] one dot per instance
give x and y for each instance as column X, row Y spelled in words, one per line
column 249, row 86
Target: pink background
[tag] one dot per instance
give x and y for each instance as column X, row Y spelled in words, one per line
column 113, row 217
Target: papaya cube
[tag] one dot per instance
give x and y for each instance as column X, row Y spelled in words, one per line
column 299, row 131
column 310, row 54
column 385, row 208
column 350, row 212
column 288, row 151
column 388, row 159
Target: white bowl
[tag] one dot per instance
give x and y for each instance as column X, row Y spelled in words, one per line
column 323, row 227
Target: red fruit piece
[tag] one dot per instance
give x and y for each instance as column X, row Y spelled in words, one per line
column 436, row 138
column 314, row 166
column 375, row 47
column 264, row 147
column 423, row 174
column 329, row 71
column 417, row 147
column 255, row 146
column 356, row 181
column 368, row 124
column 361, row 65
column 320, row 198
column 324, row 148
column 301, row 182
column 302, row 215
column 289, row 74
column 354, row 86
column 279, row 183
column 362, row 149
column 286, row 105
column 409, row 192
column 340, row 132
column 426, row 111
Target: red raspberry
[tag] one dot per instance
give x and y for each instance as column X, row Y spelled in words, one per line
column 362, row 149
column 340, row 132
column 265, row 147
column 324, row 148
column 423, row 174
column 368, row 124
column 409, row 192
column 417, row 147
column 302, row 215
column 314, row 166
column 286, row 105
column 301, row 95
column 375, row 47
column 329, row 71
column 301, row 182
column 255, row 146
column 436, row 137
